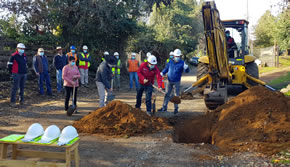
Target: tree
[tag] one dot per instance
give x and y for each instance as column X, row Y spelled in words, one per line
column 283, row 29
column 265, row 30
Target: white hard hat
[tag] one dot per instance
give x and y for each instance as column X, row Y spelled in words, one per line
column 52, row 132
column 116, row 54
column 152, row 59
column 21, row 45
column 148, row 54
column 67, row 134
column 106, row 53
column 133, row 54
column 35, row 130
column 171, row 53
column 85, row 47
column 177, row 52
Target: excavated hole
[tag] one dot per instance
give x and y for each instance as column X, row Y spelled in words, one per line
column 192, row 130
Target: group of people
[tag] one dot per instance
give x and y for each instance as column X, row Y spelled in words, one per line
column 71, row 67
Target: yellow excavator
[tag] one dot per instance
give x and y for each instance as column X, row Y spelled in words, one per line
column 224, row 68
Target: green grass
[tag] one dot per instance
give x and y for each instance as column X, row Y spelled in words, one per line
column 284, row 61
column 287, row 93
column 280, row 82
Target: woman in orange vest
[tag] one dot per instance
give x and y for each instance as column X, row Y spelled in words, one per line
column 133, row 66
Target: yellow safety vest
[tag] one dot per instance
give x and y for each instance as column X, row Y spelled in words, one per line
column 118, row 68
column 167, row 61
column 145, row 60
column 83, row 63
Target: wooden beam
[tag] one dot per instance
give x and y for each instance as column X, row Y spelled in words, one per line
column 3, row 151
column 29, row 163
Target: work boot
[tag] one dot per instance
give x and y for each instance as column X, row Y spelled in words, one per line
column 162, row 110
column 149, row 113
column 175, row 111
column 12, row 104
column 86, row 85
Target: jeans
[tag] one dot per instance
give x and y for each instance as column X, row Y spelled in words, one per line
column 169, row 87
column 18, row 82
column 68, row 92
column 59, row 80
column 148, row 90
column 103, row 94
column 117, row 81
column 84, row 76
column 133, row 76
column 44, row 76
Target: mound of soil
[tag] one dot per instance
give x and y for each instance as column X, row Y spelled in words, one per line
column 118, row 118
column 257, row 119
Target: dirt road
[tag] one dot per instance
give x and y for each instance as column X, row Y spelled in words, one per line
column 156, row 149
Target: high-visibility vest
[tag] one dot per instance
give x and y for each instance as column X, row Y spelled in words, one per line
column 167, row 61
column 83, row 63
column 70, row 54
column 118, row 68
column 133, row 65
column 145, row 60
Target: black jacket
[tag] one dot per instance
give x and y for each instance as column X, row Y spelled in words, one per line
column 104, row 74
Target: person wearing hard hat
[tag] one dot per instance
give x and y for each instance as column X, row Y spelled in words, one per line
column 174, row 70
column 17, row 66
column 103, row 79
column 146, row 73
column 106, row 53
column 59, row 62
column 84, row 64
column 133, row 66
column 72, row 53
column 70, row 76
column 41, row 69
column 117, row 71
column 171, row 55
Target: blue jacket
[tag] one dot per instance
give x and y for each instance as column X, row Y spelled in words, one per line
column 174, row 70
column 44, row 63
column 59, row 61
column 104, row 74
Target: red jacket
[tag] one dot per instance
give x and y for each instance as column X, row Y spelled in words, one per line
column 17, row 64
column 145, row 73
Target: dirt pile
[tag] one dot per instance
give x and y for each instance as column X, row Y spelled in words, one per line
column 258, row 119
column 118, row 118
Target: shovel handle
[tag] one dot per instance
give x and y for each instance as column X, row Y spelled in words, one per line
column 187, row 89
column 158, row 89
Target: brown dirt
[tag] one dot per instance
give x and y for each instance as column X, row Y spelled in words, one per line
column 257, row 118
column 118, row 118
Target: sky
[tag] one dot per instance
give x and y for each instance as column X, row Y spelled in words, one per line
column 237, row 9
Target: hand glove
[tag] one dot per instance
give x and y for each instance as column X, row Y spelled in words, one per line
column 145, row 81
column 161, row 74
column 185, row 66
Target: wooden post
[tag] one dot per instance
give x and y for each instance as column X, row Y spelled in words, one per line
column 77, row 157
column 67, row 157
column 3, row 151
column 14, row 151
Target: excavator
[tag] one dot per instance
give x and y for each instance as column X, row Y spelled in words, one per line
column 224, row 69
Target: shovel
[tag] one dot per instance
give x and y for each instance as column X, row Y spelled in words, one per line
column 173, row 99
column 71, row 109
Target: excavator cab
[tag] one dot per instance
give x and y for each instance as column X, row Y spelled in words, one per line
column 239, row 32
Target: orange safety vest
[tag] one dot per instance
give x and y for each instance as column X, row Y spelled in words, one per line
column 133, row 65
column 70, row 54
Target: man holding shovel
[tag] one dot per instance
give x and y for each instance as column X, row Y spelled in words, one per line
column 146, row 73
column 174, row 69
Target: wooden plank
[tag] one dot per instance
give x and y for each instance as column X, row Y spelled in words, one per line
column 14, row 151
column 67, row 157
column 41, row 154
column 29, row 163
column 35, row 144
column 3, row 151
column 77, row 157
